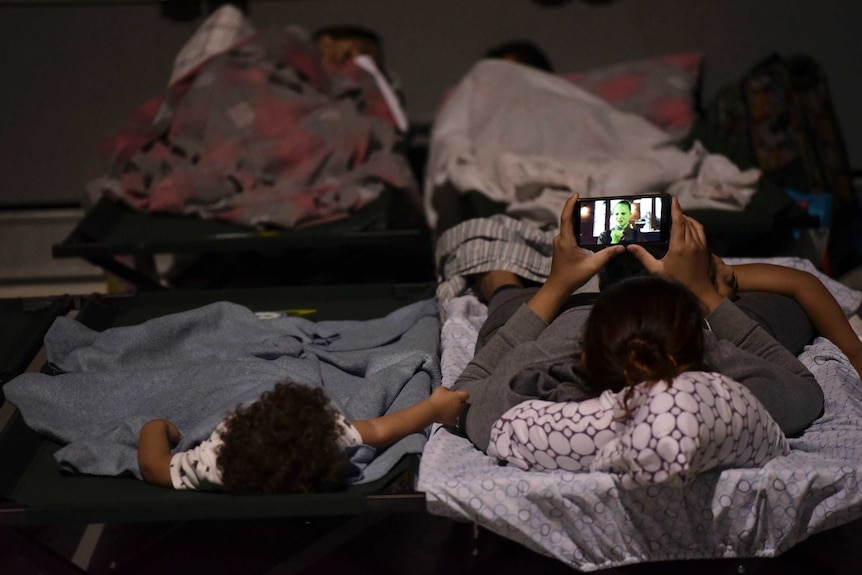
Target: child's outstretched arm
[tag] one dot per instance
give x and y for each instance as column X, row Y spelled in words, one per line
column 443, row 406
column 811, row 295
column 154, row 451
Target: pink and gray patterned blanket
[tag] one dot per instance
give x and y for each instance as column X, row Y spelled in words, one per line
column 261, row 134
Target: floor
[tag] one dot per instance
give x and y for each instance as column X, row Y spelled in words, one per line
column 414, row 544
column 410, row 543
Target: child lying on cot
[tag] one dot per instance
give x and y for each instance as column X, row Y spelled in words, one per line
column 195, row 366
column 290, row 441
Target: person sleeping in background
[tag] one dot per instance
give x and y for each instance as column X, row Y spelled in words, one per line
column 292, row 440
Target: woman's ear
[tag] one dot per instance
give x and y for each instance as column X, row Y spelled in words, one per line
column 584, row 358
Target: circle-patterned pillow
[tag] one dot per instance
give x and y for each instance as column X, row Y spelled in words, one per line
column 702, row 421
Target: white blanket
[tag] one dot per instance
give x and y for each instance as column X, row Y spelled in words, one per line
column 590, row 521
column 529, row 139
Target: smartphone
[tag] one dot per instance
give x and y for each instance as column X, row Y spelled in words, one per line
column 644, row 219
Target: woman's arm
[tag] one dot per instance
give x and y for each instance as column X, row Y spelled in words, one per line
column 443, row 406
column 571, row 267
column 687, row 259
column 740, row 348
column 154, row 451
column 512, row 353
column 736, row 345
column 810, row 293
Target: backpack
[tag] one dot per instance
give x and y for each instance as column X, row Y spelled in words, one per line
column 793, row 129
column 779, row 118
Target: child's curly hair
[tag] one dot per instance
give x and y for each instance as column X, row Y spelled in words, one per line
column 286, row 442
column 644, row 329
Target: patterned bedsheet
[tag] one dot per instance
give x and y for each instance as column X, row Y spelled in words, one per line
column 590, row 521
column 260, row 132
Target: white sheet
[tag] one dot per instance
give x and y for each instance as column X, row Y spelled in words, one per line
column 529, row 139
column 589, row 521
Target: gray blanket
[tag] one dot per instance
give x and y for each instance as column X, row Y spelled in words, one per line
column 195, row 367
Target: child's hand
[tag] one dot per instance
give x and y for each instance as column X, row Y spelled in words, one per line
column 447, row 405
column 163, row 427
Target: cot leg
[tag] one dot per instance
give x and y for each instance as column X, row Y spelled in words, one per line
column 143, row 277
column 87, row 545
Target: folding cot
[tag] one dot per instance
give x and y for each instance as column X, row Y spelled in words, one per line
column 386, row 241
column 270, row 160
column 592, row 521
column 35, row 494
column 453, row 480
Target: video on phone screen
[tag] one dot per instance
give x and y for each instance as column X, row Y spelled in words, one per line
column 615, row 220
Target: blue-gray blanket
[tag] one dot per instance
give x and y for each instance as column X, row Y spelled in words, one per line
column 195, row 367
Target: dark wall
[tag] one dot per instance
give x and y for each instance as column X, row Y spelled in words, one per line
column 74, row 70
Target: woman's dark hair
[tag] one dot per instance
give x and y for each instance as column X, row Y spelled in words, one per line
column 522, row 51
column 643, row 329
column 286, row 442
column 622, row 267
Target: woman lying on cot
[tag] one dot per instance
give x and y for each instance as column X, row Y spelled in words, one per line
column 661, row 416
column 531, row 344
column 290, row 441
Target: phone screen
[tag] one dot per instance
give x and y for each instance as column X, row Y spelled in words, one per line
column 603, row 222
